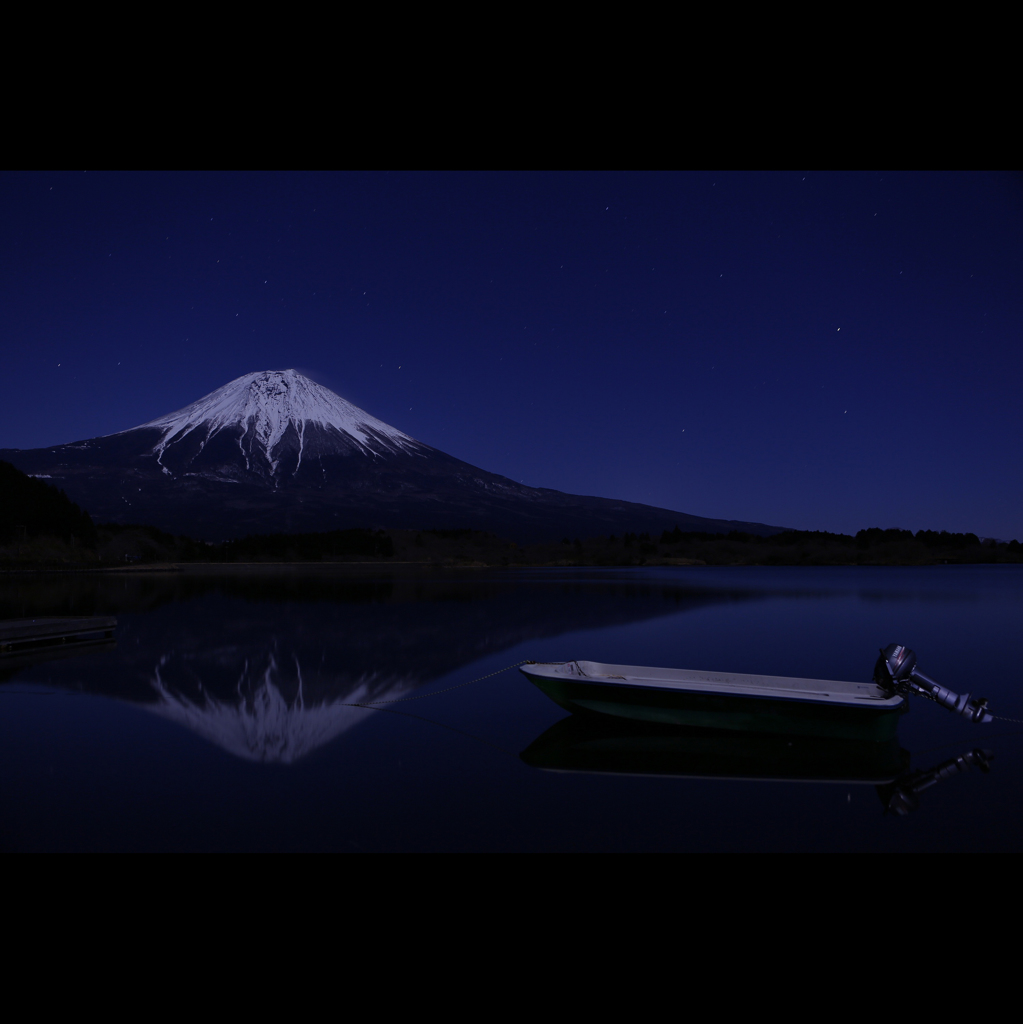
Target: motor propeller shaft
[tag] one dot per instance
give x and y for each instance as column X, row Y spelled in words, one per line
column 896, row 672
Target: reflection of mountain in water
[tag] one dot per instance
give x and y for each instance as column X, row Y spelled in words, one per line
column 261, row 722
column 264, row 664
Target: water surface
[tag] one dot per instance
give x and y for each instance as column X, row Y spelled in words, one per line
column 227, row 715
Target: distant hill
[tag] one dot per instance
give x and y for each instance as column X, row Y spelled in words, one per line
column 33, row 508
column 274, row 452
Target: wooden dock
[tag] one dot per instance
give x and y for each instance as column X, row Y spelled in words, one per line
column 21, row 636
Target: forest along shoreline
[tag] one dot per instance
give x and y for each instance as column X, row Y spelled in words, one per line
column 41, row 529
column 115, row 547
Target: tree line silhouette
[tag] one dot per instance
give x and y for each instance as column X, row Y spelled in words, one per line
column 40, row 524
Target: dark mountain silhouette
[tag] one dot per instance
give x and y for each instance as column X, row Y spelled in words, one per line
column 33, row 508
column 275, row 452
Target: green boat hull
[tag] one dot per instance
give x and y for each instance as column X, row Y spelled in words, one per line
column 663, row 706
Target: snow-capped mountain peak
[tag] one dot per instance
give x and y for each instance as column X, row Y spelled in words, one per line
column 265, row 404
column 274, row 452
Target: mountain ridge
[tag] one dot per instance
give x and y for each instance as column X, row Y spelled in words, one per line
column 272, row 451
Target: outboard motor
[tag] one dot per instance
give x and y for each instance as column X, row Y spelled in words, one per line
column 896, row 672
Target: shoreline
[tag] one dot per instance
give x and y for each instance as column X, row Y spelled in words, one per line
column 341, row 568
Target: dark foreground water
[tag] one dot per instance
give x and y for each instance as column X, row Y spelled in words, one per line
column 222, row 718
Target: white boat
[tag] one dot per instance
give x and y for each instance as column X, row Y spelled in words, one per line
column 723, row 700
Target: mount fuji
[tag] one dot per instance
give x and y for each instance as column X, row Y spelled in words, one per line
column 276, row 452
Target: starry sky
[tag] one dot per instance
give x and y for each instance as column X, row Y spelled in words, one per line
column 815, row 350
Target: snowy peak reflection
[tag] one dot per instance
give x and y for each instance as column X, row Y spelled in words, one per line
column 266, row 662
column 271, row 713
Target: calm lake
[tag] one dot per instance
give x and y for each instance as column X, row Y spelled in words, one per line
column 223, row 717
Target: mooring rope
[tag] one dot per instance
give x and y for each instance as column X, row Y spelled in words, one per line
column 444, row 725
column 418, row 696
column 1001, row 718
column 457, row 686
column 344, row 704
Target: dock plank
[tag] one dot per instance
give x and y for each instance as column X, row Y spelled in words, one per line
column 17, row 634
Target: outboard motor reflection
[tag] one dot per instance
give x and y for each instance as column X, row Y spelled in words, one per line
column 903, row 795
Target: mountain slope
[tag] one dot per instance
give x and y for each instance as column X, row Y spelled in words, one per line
column 274, row 451
column 38, row 509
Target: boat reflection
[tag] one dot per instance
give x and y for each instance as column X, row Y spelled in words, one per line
column 583, row 743
column 598, row 743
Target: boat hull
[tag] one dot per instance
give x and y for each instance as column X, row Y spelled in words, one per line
column 737, row 713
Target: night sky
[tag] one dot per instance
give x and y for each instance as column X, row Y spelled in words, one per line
column 814, row 350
